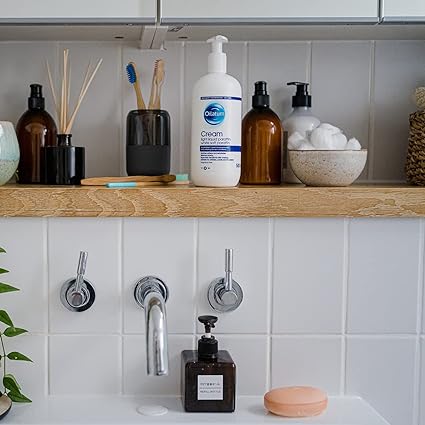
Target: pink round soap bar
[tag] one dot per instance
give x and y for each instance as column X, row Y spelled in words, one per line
column 296, row 402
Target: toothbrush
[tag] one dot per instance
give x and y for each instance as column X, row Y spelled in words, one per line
column 134, row 79
column 157, row 82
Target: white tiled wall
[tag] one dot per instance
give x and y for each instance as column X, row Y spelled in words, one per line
column 335, row 303
column 364, row 87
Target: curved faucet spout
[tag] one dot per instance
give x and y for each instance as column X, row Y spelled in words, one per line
column 151, row 293
column 156, row 335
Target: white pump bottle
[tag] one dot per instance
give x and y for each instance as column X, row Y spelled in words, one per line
column 216, row 123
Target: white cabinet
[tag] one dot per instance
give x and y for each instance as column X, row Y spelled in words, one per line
column 403, row 10
column 77, row 11
column 268, row 11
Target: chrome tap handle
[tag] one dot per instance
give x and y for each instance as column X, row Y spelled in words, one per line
column 228, row 269
column 77, row 294
column 81, row 270
column 224, row 293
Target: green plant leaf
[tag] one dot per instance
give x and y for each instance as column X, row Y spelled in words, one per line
column 3, row 271
column 15, row 355
column 10, row 382
column 4, row 318
column 12, row 331
column 2, row 250
column 18, row 397
column 4, row 287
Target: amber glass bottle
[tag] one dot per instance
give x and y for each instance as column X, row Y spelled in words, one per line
column 261, row 141
column 35, row 129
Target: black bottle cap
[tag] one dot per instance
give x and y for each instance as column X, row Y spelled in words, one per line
column 36, row 99
column 301, row 98
column 260, row 99
column 208, row 345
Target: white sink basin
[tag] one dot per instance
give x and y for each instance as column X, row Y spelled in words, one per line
column 123, row 411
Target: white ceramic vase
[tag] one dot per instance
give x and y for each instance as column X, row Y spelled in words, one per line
column 9, row 151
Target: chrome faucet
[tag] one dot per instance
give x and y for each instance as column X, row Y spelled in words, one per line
column 151, row 293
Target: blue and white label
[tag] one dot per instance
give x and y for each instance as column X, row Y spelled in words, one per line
column 214, row 113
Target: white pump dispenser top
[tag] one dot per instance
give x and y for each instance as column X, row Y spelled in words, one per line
column 217, row 60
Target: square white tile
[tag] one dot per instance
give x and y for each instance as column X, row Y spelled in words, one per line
column 249, row 240
column 98, row 124
column 341, row 85
column 251, row 370
column 24, row 242
column 171, row 96
column 32, row 376
column 89, row 364
column 278, row 64
column 136, row 380
column 399, row 69
column 195, row 66
column 308, row 275
column 16, row 75
column 383, row 275
column 164, row 248
column 302, row 360
column 101, row 239
column 381, row 370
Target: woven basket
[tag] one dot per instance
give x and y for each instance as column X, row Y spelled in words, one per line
column 415, row 162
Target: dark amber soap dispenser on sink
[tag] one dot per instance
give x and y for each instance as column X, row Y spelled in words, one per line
column 208, row 375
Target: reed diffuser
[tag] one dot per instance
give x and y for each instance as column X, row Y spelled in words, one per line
column 64, row 164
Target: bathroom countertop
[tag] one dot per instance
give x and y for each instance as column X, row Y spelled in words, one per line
column 122, row 411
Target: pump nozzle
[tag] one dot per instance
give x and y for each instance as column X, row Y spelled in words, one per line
column 301, row 98
column 217, row 59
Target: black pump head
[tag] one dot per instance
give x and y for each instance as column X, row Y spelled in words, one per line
column 36, row 99
column 260, row 99
column 301, row 98
column 208, row 322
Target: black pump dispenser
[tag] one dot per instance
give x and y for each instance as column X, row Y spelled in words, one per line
column 207, row 344
column 261, row 99
column 301, row 98
column 36, row 99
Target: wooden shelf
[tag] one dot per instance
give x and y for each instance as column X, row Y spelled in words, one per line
column 188, row 201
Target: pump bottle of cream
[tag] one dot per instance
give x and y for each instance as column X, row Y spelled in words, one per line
column 216, row 123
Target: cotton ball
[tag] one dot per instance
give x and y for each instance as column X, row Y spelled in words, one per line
column 353, row 145
column 339, row 141
column 321, row 139
column 331, row 128
column 295, row 140
column 306, row 146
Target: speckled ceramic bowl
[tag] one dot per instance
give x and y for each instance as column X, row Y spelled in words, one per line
column 327, row 168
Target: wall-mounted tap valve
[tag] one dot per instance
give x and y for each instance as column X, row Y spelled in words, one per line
column 77, row 294
column 224, row 293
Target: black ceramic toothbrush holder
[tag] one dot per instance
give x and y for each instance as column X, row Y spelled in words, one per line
column 63, row 164
column 148, row 142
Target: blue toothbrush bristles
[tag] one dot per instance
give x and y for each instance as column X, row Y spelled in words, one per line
column 131, row 73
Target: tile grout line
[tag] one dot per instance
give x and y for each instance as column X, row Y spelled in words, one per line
column 245, row 74
column 346, row 271
column 195, row 276
column 122, row 147
column 417, row 360
column 182, row 142
column 270, row 286
column 309, row 63
column 47, row 286
column 121, row 285
column 371, row 129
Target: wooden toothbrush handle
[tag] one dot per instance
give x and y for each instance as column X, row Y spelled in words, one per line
column 140, row 101
column 157, row 102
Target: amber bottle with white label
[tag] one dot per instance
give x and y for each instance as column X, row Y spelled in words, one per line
column 208, row 375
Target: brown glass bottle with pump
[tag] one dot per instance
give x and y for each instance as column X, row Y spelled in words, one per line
column 208, row 375
column 35, row 129
column 261, row 141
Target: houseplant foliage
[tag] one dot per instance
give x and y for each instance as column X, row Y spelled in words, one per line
column 11, row 387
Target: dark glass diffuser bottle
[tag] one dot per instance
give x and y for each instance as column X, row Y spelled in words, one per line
column 208, row 375
column 35, row 129
column 261, row 141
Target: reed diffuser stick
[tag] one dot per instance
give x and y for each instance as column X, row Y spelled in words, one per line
column 62, row 105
